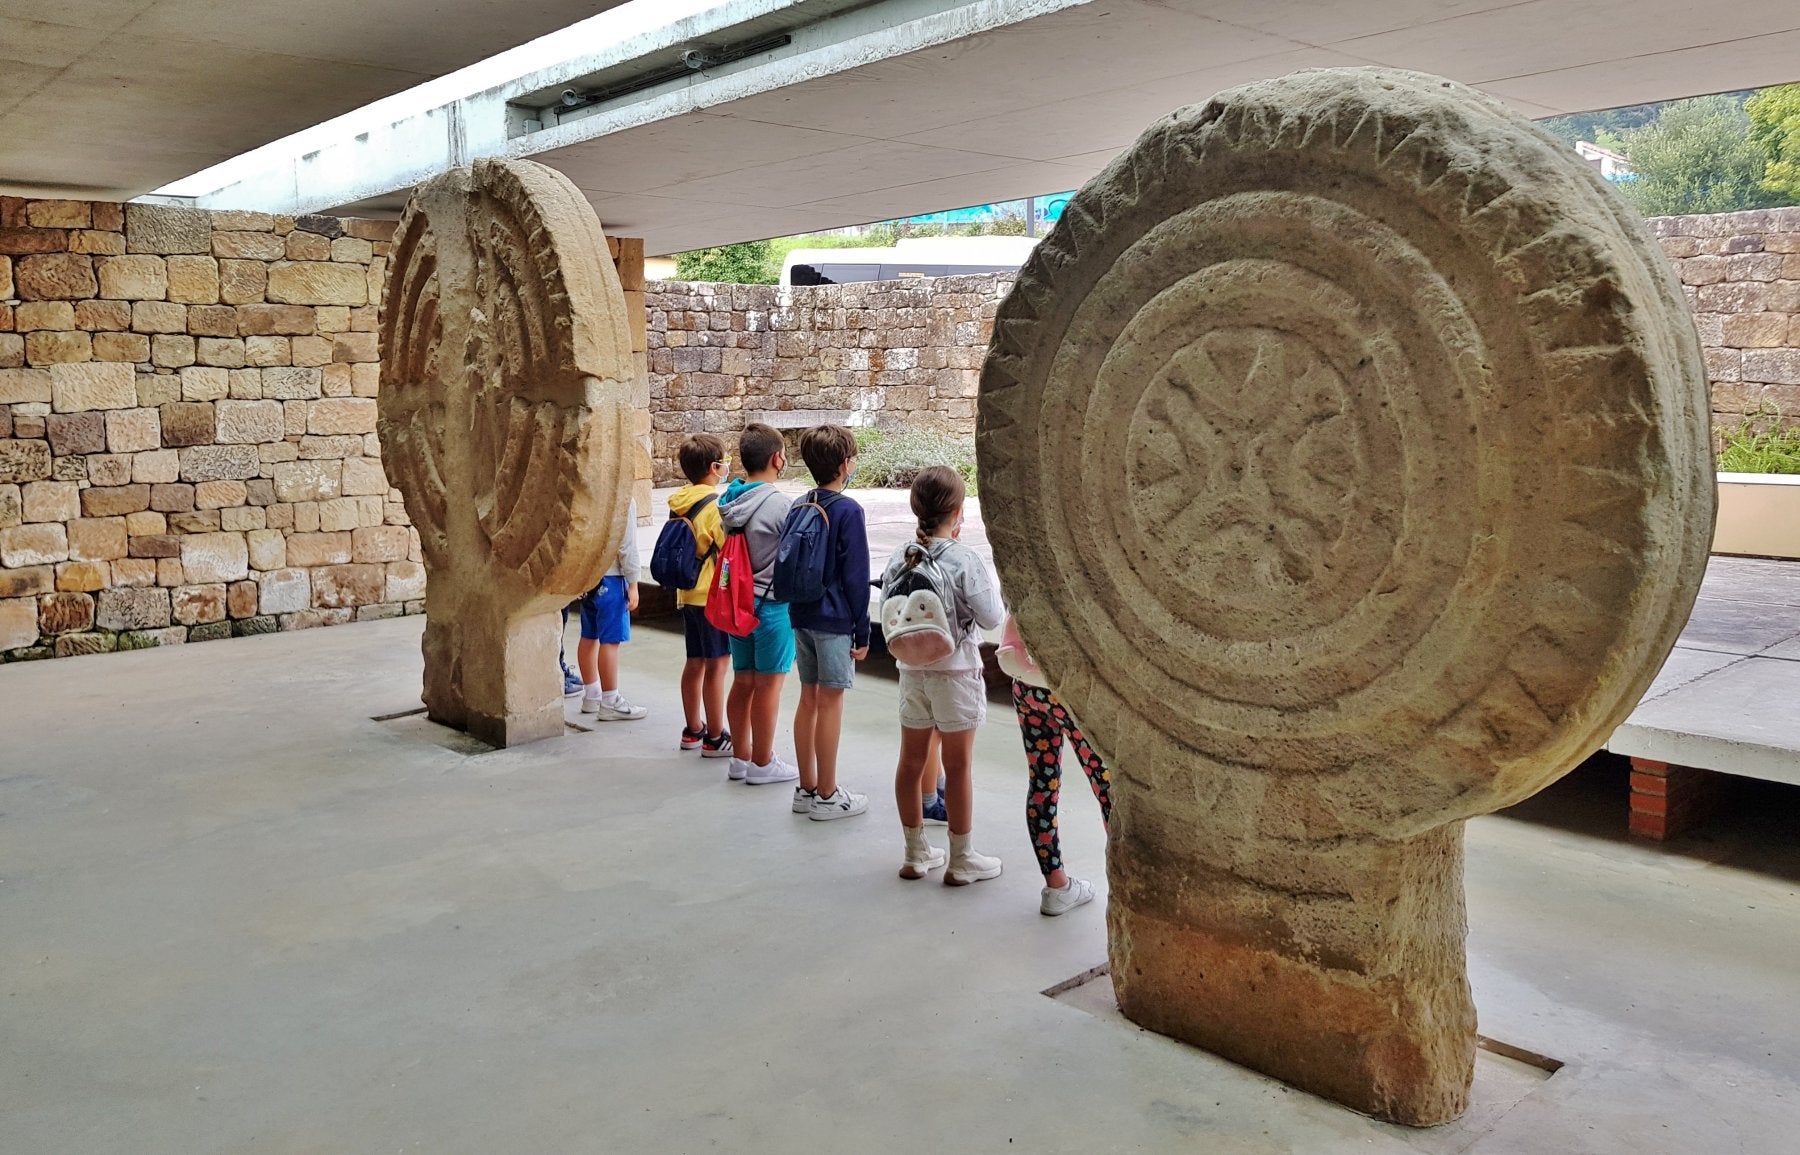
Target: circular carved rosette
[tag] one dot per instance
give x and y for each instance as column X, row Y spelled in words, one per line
column 411, row 422
column 1352, row 434
column 549, row 368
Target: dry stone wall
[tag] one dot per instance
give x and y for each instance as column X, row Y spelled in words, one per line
column 187, row 428
column 884, row 354
column 1742, row 277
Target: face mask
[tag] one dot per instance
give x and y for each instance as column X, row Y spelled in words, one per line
column 849, row 476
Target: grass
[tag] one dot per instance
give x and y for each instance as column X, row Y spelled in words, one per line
column 1761, row 445
column 890, row 460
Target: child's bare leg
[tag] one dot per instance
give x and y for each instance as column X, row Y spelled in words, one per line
column 828, row 721
column 805, row 724
column 915, row 750
column 587, row 659
column 737, row 708
column 693, row 679
column 717, row 671
column 934, row 768
column 765, row 711
column 607, row 661
column 959, row 779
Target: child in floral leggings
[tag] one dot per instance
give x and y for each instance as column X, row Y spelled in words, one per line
column 1043, row 723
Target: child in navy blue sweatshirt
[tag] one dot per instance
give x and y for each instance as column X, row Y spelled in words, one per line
column 832, row 634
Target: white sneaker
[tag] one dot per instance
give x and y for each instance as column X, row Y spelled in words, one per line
column 803, row 800
column 966, row 865
column 775, row 771
column 590, row 705
column 1077, row 893
column 921, row 856
column 739, row 769
column 842, row 804
column 622, row 711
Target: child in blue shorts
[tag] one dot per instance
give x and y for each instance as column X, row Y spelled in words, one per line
column 760, row 662
column 605, row 625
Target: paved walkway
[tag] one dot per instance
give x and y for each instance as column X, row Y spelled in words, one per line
column 239, row 915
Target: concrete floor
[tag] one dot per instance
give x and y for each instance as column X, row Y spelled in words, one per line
column 238, row 915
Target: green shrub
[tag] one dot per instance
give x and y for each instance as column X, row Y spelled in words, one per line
column 890, row 460
column 1760, row 445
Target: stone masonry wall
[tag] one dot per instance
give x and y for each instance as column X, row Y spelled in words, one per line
column 187, row 428
column 1742, row 277
column 886, row 354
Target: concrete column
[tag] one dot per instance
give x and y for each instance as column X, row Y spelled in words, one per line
column 1666, row 800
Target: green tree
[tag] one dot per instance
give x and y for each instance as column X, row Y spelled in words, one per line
column 1697, row 157
column 749, row 263
column 1775, row 128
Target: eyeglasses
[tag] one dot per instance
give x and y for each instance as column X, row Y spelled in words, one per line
column 725, row 461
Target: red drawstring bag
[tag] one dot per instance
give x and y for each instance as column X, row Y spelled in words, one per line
column 731, row 601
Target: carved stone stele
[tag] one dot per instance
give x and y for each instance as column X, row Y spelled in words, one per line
column 1346, row 447
column 505, row 422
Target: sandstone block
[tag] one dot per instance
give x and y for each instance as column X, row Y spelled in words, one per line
column 268, row 549
column 57, row 348
column 76, row 388
column 284, row 591
column 197, row 521
column 30, row 315
column 40, row 544
column 317, row 549
column 219, row 494
column 169, row 573
column 147, row 521
column 18, row 623
column 24, row 386
column 305, row 246
column 77, row 432
column 214, row 557
column 157, row 389
column 19, row 241
column 138, row 278
column 243, row 282
column 241, row 518
column 58, row 215
column 259, row 624
column 175, row 497
column 133, row 430
column 336, row 380
column 278, row 319
column 369, row 230
column 246, row 384
column 128, row 347
column 341, row 415
column 405, row 581
column 261, row 489
column 96, row 538
column 167, row 229
column 156, row 467
column 268, row 351
column 356, row 347
column 109, row 468
column 171, row 350
column 219, row 463
column 205, row 383
column 311, row 351
column 339, row 513
column 193, row 280
column 63, row 613
column 158, row 317
column 317, row 282
column 242, row 599
column 12, row 351
column 1772, row 366
column 68, row 468
column 352, row 250
column 363, row 476
column 114, row 500
column 340, row 586
column 212, row 321
column 223, row 352
column 247, row 246
column 56, row 277
column 103, row 316
column 238, row 220
column 250, row 422
column 27, row 582
column 188, row 423
column 12, row 505
column 365, row 379
column 97, row 244
column 382, row 543
column 192, row 605
column 307, row 480
column 88, row 576
column 324, row 447
column 80, row 645
column 129, row 573
column 135, row 608
column 51, row 500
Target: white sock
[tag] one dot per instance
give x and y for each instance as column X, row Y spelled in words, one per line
column 612, row 697
column 591, row 690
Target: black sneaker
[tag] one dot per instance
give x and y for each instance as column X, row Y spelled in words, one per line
column 719, row 747
column 691, row 739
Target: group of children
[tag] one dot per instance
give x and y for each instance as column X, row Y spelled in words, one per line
column 807, row 606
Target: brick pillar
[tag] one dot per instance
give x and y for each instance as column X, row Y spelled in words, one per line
column 1666, row 800
column 628, row 258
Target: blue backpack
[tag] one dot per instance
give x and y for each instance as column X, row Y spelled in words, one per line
column 676, row 561
column 801, row 561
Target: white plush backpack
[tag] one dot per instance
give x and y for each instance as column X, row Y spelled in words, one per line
column 918, row 608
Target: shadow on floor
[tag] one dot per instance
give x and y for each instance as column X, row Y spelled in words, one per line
column 1753, row 825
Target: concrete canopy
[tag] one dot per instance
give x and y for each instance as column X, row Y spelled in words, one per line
column 811, row 114
column 111, row 98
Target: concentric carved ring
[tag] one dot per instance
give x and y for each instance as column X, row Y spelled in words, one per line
column 1341, row 424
